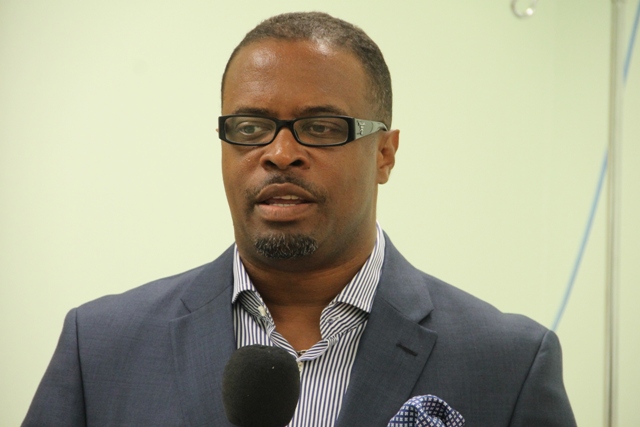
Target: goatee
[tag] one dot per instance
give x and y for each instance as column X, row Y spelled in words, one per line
column 286, row 246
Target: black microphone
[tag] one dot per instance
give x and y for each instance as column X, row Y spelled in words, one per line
column 260, row 387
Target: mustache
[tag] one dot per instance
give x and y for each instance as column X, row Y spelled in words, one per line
column 252, row 193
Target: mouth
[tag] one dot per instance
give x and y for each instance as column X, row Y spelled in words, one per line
column 285, row 194
column 284, row 201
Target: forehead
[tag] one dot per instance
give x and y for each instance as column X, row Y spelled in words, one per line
column 286, row 78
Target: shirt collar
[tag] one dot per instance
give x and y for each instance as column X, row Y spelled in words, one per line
column 359, row 292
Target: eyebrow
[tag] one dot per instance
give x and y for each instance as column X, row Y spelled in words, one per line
column 321, row 109
column 303, row 112
column 252, row 110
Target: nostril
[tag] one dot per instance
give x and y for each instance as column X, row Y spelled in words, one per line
column 284, row 152
column 295, row 163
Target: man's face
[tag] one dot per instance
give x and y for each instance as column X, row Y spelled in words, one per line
column 290, row 193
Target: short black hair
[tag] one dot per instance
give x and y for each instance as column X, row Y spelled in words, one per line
column 318, row 26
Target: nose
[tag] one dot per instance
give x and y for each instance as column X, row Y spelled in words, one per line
column 284, row 152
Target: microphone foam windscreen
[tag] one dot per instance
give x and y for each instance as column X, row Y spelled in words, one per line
column 260, row 387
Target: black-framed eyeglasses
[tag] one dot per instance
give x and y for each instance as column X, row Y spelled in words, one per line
column 319, row 131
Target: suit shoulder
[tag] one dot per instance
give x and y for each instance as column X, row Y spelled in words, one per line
column 462, row 314
column 163, row 299
column 446, row 308
column 160, row 291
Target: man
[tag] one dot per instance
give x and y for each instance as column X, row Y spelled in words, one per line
column 306, row 104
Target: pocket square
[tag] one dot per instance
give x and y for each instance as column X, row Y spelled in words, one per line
column 426, row 411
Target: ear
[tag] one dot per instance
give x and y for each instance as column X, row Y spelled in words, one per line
column 387, row 147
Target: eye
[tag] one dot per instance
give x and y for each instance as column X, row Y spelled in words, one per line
column 324, row 127
column 318, row 128
column 249, row 129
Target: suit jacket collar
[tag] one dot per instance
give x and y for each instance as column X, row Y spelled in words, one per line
column 203, row 342
column 392, row 352
column 394, row 347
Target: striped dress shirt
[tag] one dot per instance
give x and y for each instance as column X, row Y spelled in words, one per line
column 325, row 368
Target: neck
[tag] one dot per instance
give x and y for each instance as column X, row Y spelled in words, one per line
column 293, row 287
column 296, row 297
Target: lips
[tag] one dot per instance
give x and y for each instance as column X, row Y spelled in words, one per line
column 286, row 194
column 283, row 201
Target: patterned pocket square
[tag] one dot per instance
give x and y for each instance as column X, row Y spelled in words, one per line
column 426, row 411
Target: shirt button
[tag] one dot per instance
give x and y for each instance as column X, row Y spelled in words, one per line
column 300, row 366
column 263, row 311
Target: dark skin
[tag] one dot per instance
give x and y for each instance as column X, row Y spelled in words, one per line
column 296, row 301
column 336, row 202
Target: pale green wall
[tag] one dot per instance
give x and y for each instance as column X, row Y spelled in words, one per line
column 110, row 176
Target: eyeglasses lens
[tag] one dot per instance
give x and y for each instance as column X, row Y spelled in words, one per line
column 312, row 131
column 322, row 130
column 249, row 130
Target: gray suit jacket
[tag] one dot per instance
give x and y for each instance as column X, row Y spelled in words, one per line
column 154, row 356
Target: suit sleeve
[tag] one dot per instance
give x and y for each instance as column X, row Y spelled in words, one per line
column 59, row 400
column 543, row 400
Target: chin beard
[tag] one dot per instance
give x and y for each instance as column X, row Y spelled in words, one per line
column 286, row 246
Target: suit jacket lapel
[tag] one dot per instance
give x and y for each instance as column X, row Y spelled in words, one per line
column 392, row 352
column 203, row 342
column 394, row 347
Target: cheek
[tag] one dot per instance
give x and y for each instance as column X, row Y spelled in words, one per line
column 235, row 164
column 357, row 185
column 232, row 170
column 227, row 173
column 240, row 174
